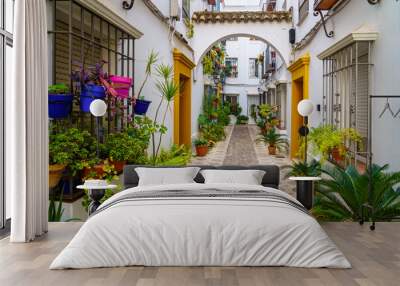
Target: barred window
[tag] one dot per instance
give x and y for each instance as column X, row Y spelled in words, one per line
column 232, row 66
column 346, row 91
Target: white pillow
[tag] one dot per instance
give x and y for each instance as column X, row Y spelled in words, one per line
column 166, row 176
column 248, row 177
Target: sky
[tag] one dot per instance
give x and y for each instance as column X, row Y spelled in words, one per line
column 242, row 2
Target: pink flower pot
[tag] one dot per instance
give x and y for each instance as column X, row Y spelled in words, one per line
column 121, row 84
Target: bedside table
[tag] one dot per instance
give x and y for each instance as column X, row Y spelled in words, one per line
column 305, row 190
column 96, row 193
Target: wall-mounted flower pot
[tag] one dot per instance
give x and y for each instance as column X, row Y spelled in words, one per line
column 60, row 105
column 141, row 106
column 55, row 174
column 121, row 84
column 201, row 150
column 271, row 150
column 336, row 156
column 89, row 93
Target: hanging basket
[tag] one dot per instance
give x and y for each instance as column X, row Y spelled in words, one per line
column 122, row 85
column 89, row 93
column 60, row 105
column 141, row 106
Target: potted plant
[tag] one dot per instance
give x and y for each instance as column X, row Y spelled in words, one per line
column 94, row 84
column 330, row 142
column 140, row 104
column 121, row 148
column 242, row 119
column 201, row 145
column 274, row 140
column 60, row 101
column 121, row 84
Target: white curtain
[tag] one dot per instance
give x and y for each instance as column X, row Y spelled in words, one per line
column 27, row 123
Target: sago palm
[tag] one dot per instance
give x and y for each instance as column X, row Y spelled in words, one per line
column 274, row 139
column 348, row 195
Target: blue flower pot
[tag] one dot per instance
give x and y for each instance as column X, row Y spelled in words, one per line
column 60, row 105
column 89, row 93
column 141, row 106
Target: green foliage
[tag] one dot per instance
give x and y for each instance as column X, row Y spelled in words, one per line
column 236, row 109
column 152, row 59
column 189, row 28
column 345, row 195
column 325, row 138
column 213, row 132
column 177, row 155
column 200, row 142
column 73, row 148
column 55, row 211
column 274, row 139
column 304, row 169
column 59, row 88
column 208, row 67
column 122, row 147
column 242, row 119
column 142, row 128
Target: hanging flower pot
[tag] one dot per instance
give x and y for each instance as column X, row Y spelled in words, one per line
column 337, row 156
column 55, row 174
column 89, row 93
column 60, row 105
column 141, row 106
column 122, row 85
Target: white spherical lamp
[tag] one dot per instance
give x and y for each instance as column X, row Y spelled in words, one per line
column 98, row 108
column 305, row 107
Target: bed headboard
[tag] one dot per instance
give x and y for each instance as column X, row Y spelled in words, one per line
column 270, row 179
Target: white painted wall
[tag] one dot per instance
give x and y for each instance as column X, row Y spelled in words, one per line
column 243, row 49
column 385, row 18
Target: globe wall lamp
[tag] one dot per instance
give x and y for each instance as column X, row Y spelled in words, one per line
column 305, row 108
column 98, row 109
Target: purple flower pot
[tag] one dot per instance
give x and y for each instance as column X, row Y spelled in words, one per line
column 141, row 106
column 60, row 105
column 89, row 93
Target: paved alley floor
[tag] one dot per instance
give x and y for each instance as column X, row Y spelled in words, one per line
column 240, row 148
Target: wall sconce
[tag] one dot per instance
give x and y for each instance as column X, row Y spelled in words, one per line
column 128, row 6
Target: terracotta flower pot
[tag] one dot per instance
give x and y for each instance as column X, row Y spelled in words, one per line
column 98, row 170
column 118, row 165
column 271, row 150
column 202, row 150
column 336, row 156
column 55, row 174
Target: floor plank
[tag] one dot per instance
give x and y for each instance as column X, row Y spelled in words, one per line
column 375, row 257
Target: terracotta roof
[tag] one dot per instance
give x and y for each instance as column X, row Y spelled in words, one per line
column 242, row 16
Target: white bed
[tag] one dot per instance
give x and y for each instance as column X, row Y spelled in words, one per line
column 201, row 231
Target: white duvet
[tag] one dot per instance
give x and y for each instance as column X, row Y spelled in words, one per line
column 202, row 232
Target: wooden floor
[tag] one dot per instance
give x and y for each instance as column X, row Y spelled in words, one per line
column 375, row 257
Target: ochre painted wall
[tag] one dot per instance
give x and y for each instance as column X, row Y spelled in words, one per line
column 183, row 101
column 300, row 82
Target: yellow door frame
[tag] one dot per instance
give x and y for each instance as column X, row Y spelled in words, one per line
column 300, row 71
column 183, row 67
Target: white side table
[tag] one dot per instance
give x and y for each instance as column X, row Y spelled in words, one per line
column 305, row 190
column 96, row 193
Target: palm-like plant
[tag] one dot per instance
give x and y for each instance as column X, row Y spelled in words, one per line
column 304, row 169
column 274, row 141
column 348, row 195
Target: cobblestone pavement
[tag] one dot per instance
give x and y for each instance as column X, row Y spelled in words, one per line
column 240, row 148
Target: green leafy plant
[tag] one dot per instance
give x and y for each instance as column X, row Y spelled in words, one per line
column 242, row 119
column 73, row 148
column 274, row 139
column 168, row 88
column 346, row 194
column 325, row 138
column 200, row 142
column 177, row 155
column 151, row 61
column 123, row 147
column 304, row 169
column 56, row 211
column 60, row 88
column 189, row 28
column 208, row 67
